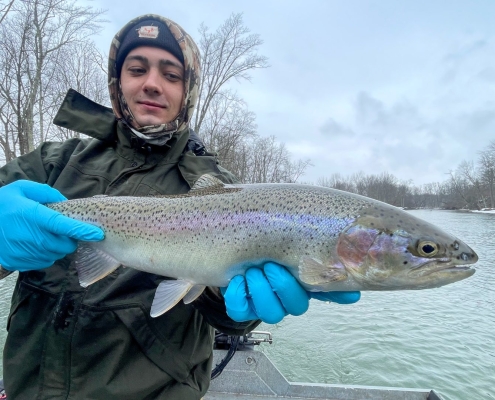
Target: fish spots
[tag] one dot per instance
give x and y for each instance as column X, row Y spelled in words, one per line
column 269, row 217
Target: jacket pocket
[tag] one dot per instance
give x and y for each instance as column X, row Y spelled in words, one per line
column 23, row 295
column 169, row 361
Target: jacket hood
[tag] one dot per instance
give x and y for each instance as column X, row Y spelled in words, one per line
column 157, row 134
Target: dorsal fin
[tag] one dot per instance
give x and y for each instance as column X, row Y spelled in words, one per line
column 207, row 181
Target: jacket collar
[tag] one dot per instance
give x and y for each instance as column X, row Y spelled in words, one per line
column 82, row 115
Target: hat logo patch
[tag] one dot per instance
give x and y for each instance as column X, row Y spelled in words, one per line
column 150, row 32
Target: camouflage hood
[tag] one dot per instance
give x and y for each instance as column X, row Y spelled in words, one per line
column 157, row 134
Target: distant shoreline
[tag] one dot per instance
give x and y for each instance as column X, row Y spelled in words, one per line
column 484, row 211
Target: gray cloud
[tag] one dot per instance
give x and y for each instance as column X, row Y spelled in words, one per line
column 331, row 127
column 369, row 110
column 401, row 138
column 465, row 50
column 480, row 120
column 374, row 114
column 487, row 74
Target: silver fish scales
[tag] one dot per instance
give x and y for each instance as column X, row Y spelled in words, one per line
column 328, row 239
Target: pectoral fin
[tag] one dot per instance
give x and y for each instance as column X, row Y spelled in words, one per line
column 93, row 264
column 314, row 272
column 168, row 294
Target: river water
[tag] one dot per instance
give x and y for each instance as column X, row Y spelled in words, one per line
column 442, row 339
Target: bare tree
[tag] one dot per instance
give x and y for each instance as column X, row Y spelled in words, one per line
column 432, row 195
column 467, row 171
column 384, row 187
column 337, row 181
column 4, row 9
column 79, row 70
column 295, row 169
column 32, row 39
column 360, row 182
column 266, row 160
column 227, row 126
column 8, row 138
column 228, row 53
column 462, row 192
column 487, row 172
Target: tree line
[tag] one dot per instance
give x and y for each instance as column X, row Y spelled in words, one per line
column 47, row 47
column 470, row 186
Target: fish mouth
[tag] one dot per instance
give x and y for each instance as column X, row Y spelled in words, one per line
column 443, row 264
column 452, row 269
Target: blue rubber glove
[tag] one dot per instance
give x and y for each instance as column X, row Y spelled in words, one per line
column 271, row 294
column 33, row 236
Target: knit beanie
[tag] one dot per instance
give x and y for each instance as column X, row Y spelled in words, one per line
column 149, row 32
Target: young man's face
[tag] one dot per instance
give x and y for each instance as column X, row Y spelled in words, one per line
column 152, row 81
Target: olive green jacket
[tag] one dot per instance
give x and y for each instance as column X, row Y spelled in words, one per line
column 67, row 342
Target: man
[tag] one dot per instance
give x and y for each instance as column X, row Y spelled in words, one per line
column 65, row 341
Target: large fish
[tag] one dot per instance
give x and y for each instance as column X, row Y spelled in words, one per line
column 328, row 239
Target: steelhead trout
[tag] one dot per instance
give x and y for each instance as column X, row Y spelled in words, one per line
column 328, row 239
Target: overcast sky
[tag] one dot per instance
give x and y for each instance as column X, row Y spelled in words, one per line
column 405, row 87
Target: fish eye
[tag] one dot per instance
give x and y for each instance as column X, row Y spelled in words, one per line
column 427, row 248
